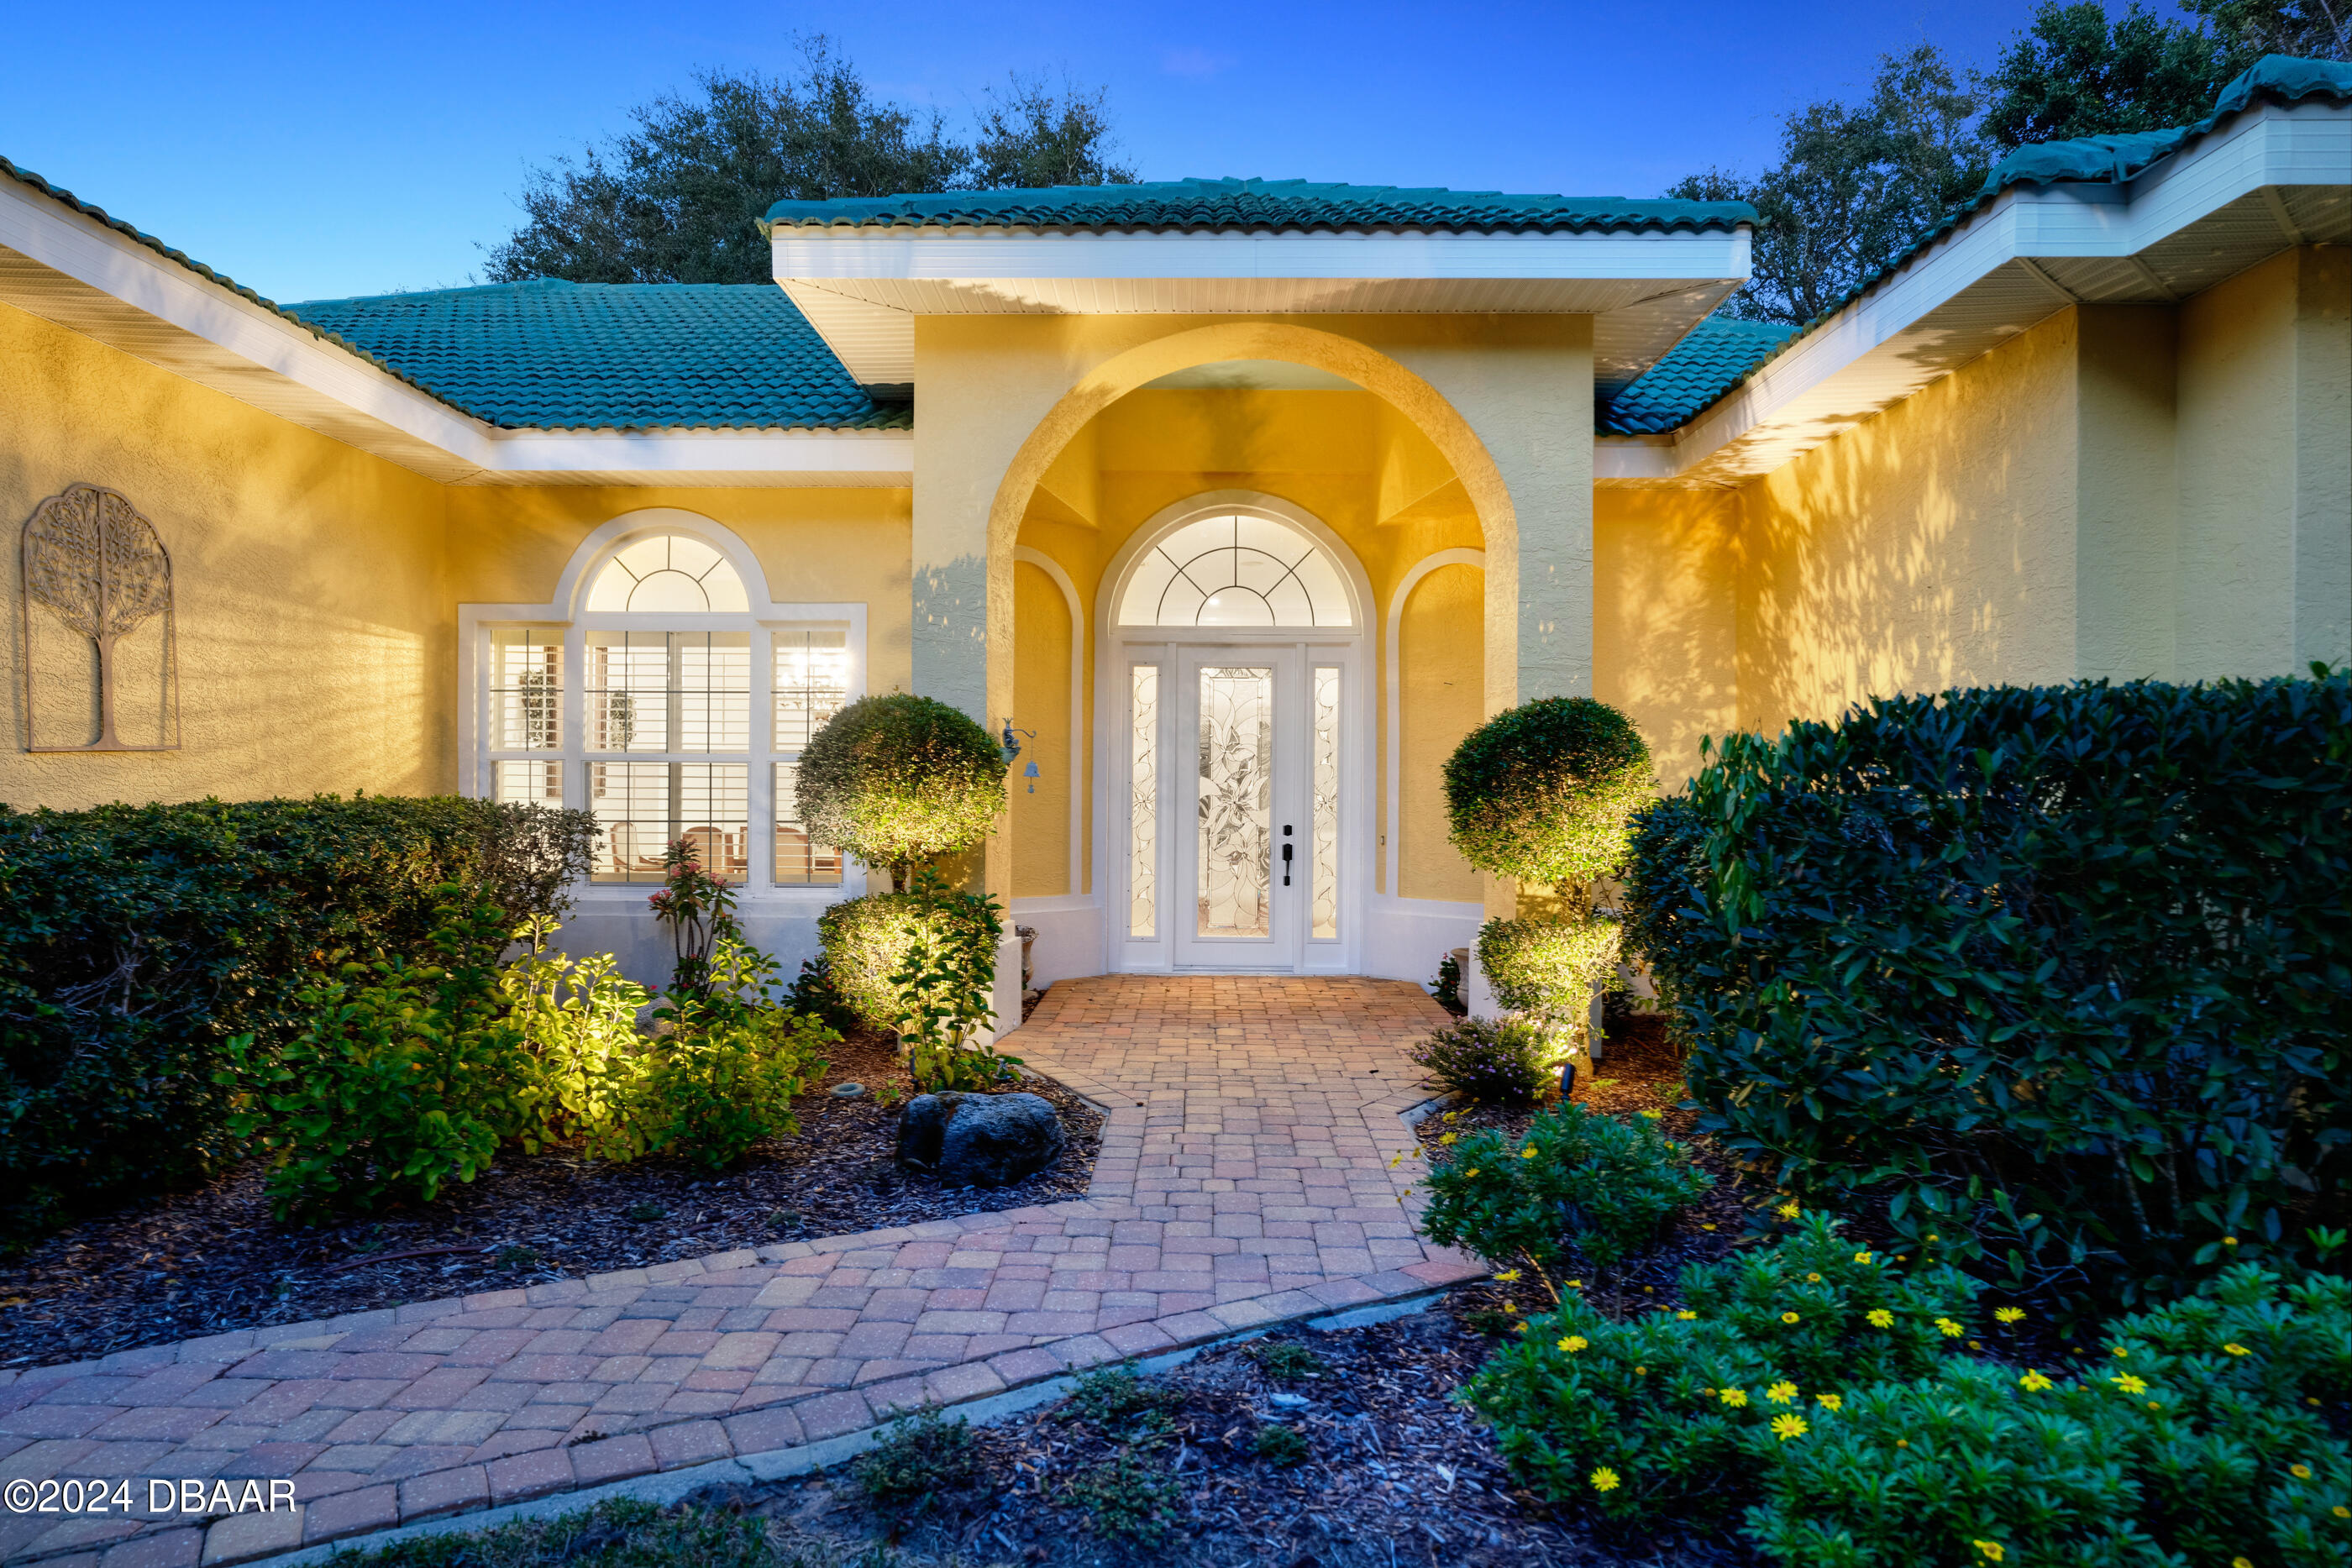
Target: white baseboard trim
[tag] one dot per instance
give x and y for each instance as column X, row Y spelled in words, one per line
column 1070, row 937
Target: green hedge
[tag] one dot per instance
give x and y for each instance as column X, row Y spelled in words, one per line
column 1544, row 791
column 134, row 940
column 2063, row 975
column 866, row 941
column 897, row 780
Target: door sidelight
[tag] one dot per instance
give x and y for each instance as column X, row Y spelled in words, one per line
column 1286, row 855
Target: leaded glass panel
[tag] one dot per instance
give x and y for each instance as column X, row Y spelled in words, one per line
column 1233, row 782
column 1325, row 923
column 1143, row 804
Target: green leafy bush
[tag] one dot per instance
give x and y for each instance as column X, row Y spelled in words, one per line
column 2062, row 974
column 1550, row 967
column 723, row 1076
column 1662, row 1414
column 407, row 1078
column 1509, row 1062
column 1578, row 1176
column 135, row 940
column 868, row 941
column 578, row 1020
column 2201, row 1440
column 1545, row 791
column 897, row 780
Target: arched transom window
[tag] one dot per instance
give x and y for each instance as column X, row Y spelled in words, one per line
column 687, row 723
column 669, row 574
column 1236, row 569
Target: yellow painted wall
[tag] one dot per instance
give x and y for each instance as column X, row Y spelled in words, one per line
column 1930, row 546
column 315, row 641
column 509, row 545
column 1042, row 806
column 2265, row 564
column 1441, row 700
column 1665, row 637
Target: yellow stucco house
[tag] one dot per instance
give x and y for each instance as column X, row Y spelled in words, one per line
column 1237, row 502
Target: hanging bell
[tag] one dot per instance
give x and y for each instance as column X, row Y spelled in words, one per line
column 1030, row 773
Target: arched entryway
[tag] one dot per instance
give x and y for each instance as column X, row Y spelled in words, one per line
column 1234, row 830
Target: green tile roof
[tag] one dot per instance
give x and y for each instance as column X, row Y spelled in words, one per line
column 1714, row 357
column 553, row 355
column 1191, row 206
column 1697, row 372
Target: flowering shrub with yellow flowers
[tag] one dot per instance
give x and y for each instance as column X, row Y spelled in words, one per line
column 1673, row 1405
column 2200, row 1434
column 1606, row 1185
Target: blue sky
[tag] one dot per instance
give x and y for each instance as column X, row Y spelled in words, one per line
column 319, row 150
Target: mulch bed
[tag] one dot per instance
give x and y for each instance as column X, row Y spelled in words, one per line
column 1394, row 1472
column 213, row 1260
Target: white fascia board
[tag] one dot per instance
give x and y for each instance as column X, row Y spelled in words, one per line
column 67, row 268
column 86, row 252
column 2308, row 143
column 971, row 256
column 1619, row 460
column 754, row 458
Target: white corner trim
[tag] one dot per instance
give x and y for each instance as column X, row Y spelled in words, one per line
column 1392, row 665
column 1053, row 569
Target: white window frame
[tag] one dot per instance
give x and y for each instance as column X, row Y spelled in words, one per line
column 565, row 614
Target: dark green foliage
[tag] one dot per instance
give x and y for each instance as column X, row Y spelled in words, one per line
column 1120, row 1402
column 681, row 197
column 1281, row 1446
column 1127, row 1500
column 814, row 994
column 2062, row 974
column 945, row 987
column 2075, row 73
column 1579, row 1176
column 1544, row 791
column 1855, row 185
column 898, row 779
column 2205, row 1437
column 1661, row 1414
column 1285, row 1359
column 868, row 942
column 1447, row 987
column 919, row 1456
column 137, row 940
column 406, row 1079
column 1507, row 1062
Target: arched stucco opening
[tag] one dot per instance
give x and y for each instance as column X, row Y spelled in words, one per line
column 1052, row 480
column 1414, row 397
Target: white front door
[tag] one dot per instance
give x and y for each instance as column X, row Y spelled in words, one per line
column 1240, row 808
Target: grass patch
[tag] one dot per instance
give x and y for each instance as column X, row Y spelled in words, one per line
column 620, row 1535
column 918, row 1458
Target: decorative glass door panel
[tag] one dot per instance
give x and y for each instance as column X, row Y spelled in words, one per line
column 1233, row 790
column 1233, row 797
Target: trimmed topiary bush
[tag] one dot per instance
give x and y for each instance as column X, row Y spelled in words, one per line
column 868, row 941
column 2062, row 975
column 897, row 780
column 1549, row 968
column 1547, row 791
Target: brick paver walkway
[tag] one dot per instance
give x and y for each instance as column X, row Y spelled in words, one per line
column 1243, row 1179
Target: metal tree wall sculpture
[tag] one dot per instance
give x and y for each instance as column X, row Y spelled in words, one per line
column 96, row 563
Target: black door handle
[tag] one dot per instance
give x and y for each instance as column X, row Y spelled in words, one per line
column 1286, row 855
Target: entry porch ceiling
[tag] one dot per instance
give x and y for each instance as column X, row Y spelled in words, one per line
column 2276, row 177
column 862, row 289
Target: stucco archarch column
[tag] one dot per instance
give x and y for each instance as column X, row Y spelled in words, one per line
column 1527, row 390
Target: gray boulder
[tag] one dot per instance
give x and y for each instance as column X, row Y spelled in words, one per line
column 979, row 1140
